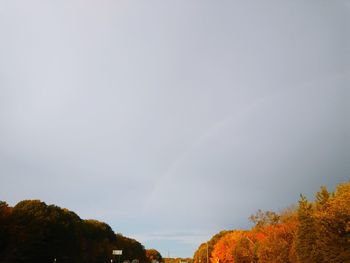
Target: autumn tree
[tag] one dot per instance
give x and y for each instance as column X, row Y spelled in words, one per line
column 153, row 254
column 278, row 244
column 246, row 247
column 317, row 231
column 306, row 243
column 263, row 218
column 224, row 248
column 204, row 251
column 332, row 214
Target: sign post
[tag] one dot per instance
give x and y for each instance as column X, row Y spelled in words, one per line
column 117, row 252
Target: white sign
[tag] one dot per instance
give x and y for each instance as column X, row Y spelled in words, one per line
column 117, row 252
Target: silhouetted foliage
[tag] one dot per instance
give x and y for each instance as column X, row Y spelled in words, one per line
column 32, row 231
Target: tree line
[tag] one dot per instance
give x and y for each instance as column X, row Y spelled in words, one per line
column 33, row 231
column 309, row 232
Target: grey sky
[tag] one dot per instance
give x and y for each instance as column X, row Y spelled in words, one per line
column 172, row 120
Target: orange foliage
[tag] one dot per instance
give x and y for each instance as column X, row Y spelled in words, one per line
column 316, row 231
column 278, row 243
column 236, row 244
column 223, row 249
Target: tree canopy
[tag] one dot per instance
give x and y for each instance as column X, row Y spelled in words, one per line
column 33, row 231
column 312, row 231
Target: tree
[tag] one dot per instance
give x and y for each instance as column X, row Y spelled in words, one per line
column 132, row 249
column 5, row 214
column 278, row 244
column 261, row 219
column 96, row 241
column 201, row 254
column 322, row 199
column 224, row 248
column 205, row 249
column 33, row 231
column 333, row 217
column 153, row 254
column 317, row 231
column 246, row 248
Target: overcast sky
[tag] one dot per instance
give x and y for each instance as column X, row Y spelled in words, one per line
column 173, row 120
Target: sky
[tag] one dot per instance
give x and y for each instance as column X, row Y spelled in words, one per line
column 173, row 120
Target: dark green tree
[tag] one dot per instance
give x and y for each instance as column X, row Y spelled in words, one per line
column 35, row 232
